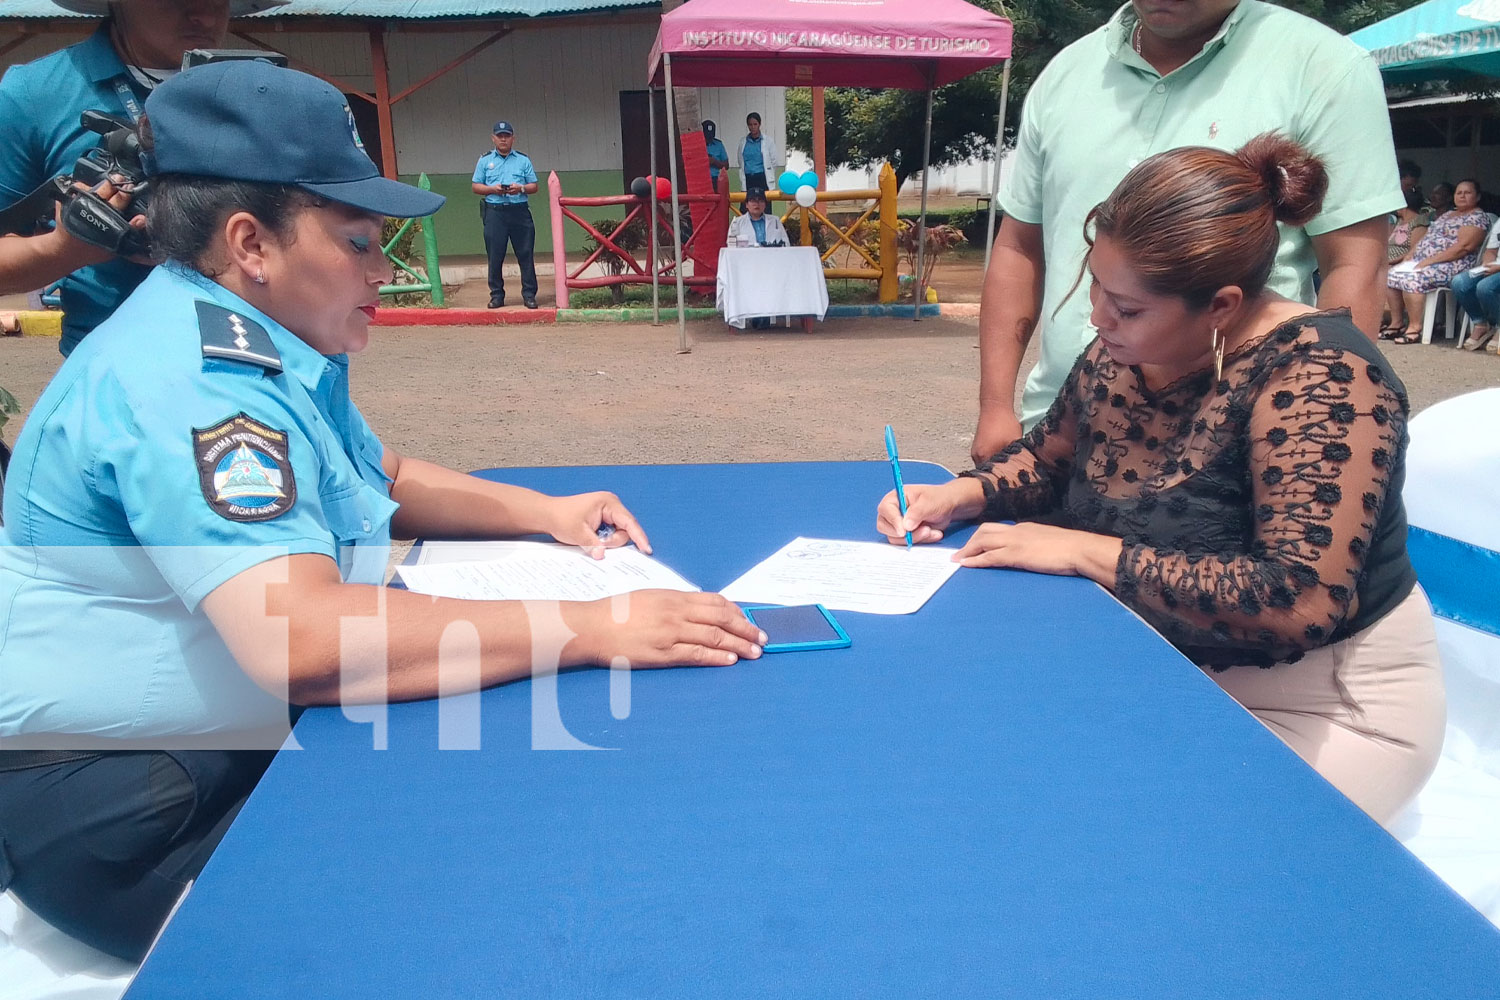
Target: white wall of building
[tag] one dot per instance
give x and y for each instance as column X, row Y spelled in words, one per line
column 560, row 86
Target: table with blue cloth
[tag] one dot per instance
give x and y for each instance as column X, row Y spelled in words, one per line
column 1018, row 791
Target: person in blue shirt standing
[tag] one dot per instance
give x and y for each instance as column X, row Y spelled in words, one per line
column 140, row 43
column 196, row 505
column 758, row 154
column 718, row 156
column 505, row 177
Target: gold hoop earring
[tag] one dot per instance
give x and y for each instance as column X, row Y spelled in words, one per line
column 1218, row 349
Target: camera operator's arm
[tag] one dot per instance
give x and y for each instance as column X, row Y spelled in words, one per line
column 31, row 262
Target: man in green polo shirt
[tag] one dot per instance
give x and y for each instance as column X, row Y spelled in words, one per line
column 1159, row 75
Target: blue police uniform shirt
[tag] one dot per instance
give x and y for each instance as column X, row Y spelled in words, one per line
column 153, row 469
column 716, row 151
column 40, row 103
column 754, row 162
column 759, row 225
column 493, row 168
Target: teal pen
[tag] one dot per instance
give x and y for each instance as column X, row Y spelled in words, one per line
column 890, row 449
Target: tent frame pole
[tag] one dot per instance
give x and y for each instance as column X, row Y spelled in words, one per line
column 989, row 228
column 917, row 289
column 682, row 337
column 651, row 223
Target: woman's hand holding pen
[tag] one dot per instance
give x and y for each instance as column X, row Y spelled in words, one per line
column 929, row 510
column 580, row 520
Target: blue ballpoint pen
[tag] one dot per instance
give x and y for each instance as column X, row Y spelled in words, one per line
column 890, row 449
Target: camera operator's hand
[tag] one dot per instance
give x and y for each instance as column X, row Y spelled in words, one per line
column 29, row 262
column 72, row 253
column 117, row 194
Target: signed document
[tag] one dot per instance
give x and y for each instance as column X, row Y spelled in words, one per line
column 533, row 571
column 874, row 577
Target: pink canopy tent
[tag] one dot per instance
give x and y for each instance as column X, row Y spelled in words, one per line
column 910, row 44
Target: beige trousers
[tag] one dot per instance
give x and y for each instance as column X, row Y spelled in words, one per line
column 1367, row 713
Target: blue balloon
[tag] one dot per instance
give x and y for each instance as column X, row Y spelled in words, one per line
column 810, row 178
column 789, row 182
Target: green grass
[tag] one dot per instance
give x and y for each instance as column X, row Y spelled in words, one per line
column 635, row 296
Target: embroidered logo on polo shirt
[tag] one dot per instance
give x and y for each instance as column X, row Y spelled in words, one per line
column 244, row 469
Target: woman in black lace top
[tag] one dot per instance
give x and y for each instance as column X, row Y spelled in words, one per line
column 1230, row 465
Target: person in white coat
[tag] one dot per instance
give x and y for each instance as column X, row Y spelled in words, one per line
column 757, row 227
column 758, row 155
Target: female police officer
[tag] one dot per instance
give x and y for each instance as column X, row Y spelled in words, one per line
column 195, row 503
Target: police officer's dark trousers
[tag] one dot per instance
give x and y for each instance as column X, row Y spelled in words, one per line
column 511, row 223
column 102, row 845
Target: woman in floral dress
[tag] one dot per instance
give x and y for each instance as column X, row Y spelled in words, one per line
column 1449, row 248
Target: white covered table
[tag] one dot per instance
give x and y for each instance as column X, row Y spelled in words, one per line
column 770, row 281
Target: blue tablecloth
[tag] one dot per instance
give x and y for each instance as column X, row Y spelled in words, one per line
column 1020, row 791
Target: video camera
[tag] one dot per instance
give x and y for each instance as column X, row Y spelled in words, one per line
column 85, row 215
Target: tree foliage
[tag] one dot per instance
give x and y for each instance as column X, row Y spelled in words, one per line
column 864, row 127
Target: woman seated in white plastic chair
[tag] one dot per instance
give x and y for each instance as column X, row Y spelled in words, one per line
column 196, row 504
column 1478, row 293
column 1449, row 248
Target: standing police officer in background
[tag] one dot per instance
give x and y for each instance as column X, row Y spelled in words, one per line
column 505, row 177
column 140, row 43
column 718, row 156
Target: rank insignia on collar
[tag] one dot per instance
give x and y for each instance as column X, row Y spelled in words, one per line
column 244, row 469
column 227, row 334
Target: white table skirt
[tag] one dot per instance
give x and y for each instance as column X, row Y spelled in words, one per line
column 770, row 281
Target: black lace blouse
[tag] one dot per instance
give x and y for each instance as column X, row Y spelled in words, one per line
column 1261, row 516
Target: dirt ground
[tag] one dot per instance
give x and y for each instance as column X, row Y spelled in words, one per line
column 474, row 397
column 958, row 277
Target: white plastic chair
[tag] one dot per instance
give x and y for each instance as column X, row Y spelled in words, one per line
column 40, row 962
column 1441, row 296
column 1452, row 497
column 1465, row 327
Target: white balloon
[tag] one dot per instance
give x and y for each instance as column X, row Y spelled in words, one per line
column 807, row 196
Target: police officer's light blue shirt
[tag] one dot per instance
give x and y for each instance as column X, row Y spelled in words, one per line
column 120, row 516
column 759, row 225
column 493, row 168
column 716, row 151
column 755, row 163
column 40, row 104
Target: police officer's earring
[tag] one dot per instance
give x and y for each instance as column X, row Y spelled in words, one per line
column 260, row 276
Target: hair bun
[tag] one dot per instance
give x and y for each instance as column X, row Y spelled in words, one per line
column 1294, row 178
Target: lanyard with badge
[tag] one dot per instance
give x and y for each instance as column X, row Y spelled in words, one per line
column 128, row 100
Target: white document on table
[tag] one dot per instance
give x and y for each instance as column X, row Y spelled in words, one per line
column 534, row 571
column 874, row 577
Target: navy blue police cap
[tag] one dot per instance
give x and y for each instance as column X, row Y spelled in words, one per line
column 246, row 120
column 503, row 127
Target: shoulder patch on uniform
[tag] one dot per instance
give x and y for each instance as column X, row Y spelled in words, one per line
column 227, row 334
column 244, row 469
